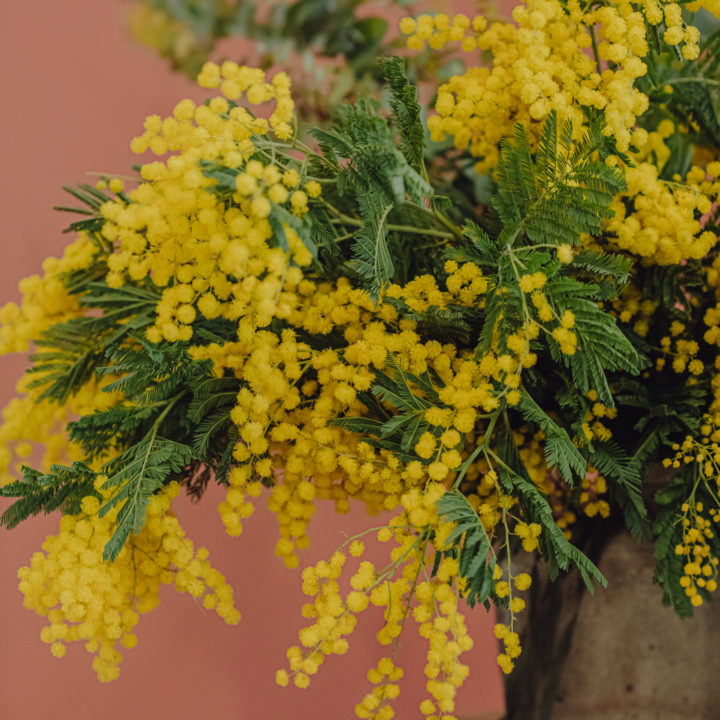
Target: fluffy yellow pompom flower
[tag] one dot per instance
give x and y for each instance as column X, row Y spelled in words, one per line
column 92, row 601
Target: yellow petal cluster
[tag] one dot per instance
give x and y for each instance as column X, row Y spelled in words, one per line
column 539, row 65
column 88, row 600
column 178, row 231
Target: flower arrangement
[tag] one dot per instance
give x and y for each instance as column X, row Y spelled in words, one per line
column 491, row 323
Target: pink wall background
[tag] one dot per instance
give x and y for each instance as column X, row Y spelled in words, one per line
column 75, row 91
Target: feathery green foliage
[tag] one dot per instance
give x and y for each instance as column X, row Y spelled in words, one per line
column 556, row 549
column 406, row 112
column 380, row 180
column 470, row 545
column 603, row 348
column 557, row 195
column 612, row 461
column 137, row 473
column 63, row 488
column 560, row 452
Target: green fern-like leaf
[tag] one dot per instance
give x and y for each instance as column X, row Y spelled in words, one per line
column 557, row 196
column 556, row 548
column 624, row 479
column 406, row 111
column 71, row 353
column 601, row 264
column 372, row 260
column 560, row 452
column 138, row 473
column 62, row 488
column 470, row 544
column 602, row 348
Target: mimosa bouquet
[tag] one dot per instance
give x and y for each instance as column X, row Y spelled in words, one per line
column 492, row 320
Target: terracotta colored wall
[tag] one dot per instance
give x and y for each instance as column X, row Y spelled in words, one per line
column 74, row 91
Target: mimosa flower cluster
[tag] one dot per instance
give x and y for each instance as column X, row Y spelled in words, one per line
column 88, row 600
column 403, row 584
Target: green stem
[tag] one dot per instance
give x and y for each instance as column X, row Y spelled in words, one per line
column 479, row 449
column 420, row 231
column 700, row 81
column 345, row 220
column 509, row 563
column 441, row 218
column 154, row 429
